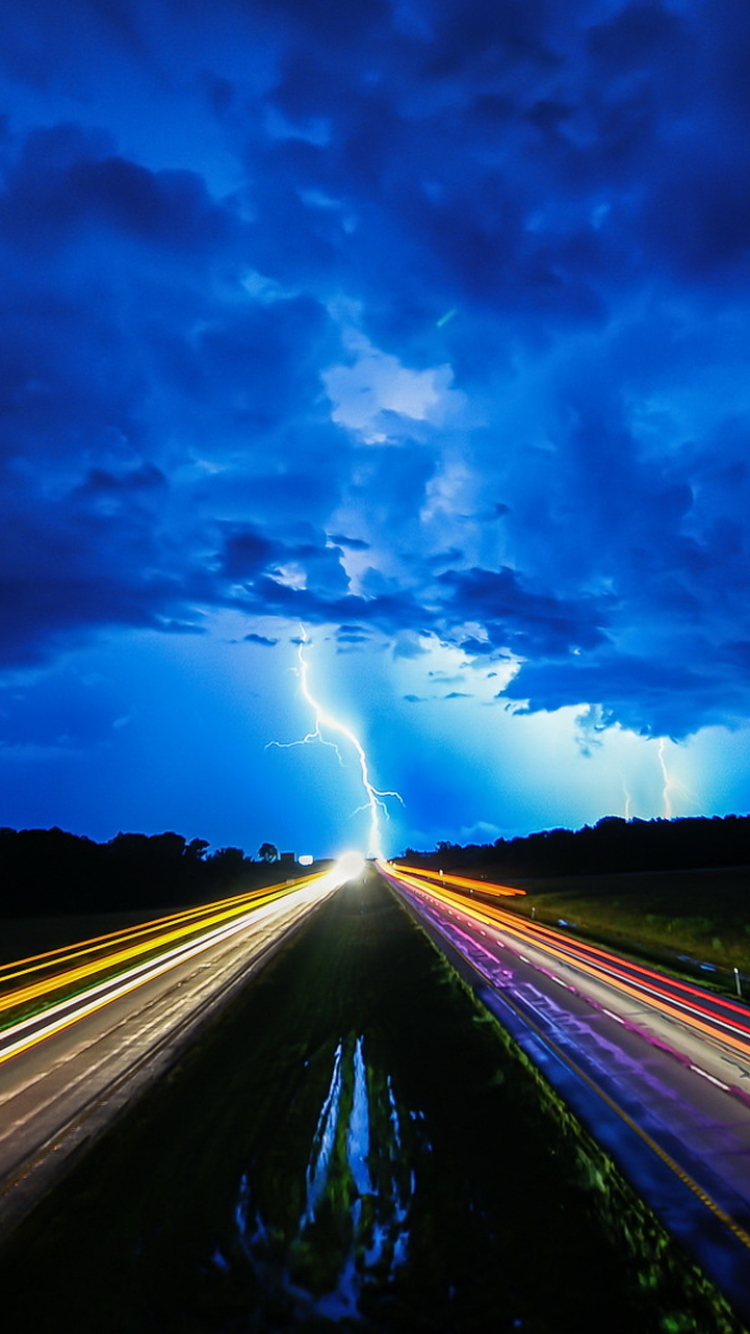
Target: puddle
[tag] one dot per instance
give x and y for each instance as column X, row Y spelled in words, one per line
column 352, row 1232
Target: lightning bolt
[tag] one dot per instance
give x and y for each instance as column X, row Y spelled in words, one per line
column 667, row 781
column 628, row 802
column 373, row 797
column 673, row 785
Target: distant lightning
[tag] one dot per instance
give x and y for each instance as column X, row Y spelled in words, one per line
column 673, row 785
column 628, row 803
column 373, row 797
column 667, row 792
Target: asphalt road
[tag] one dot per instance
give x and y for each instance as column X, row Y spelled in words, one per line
column 658, row 1070
column 61, row 1089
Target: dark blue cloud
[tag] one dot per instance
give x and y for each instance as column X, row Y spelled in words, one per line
column 200, row 222
column 518, row 618
column 354, row 543
column 477, row 647
column 252, row 638
column 640, row 693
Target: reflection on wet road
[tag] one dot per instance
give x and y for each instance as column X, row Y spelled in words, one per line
column 359, row 1183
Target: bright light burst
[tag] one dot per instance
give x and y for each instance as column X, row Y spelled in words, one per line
column 349, row 866
column 373, row 797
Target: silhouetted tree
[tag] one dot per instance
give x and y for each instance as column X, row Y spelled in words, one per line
column 47, row 871
column 196, row 848
column 226, row 864
column 613, row 844
column 268, row 852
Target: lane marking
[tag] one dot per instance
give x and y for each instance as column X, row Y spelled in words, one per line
column 719, row 1084
column 229, row 980
column 661, row 1153
column 612, row 1015
column 718, row 1028
column 726, row 1219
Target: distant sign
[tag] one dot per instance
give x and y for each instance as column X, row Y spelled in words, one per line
column 305, row 859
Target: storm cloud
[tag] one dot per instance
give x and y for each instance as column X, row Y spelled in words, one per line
column 424, row 318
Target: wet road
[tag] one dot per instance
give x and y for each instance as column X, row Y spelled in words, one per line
column 86, row 1028
column 659, row 1070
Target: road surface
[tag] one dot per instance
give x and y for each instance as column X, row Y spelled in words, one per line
column 658, row 1069
column 87, row 1028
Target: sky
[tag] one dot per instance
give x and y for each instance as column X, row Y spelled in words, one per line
column 415, row 330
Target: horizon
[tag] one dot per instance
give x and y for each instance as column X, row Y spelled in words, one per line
column 318, row 857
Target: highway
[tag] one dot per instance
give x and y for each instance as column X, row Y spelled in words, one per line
column 84, row 1029
column 658, row 1069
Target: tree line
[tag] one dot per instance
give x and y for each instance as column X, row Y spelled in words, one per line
column 611, row 845
column 47, row 872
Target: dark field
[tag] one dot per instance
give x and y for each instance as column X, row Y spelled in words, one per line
column 703, row 913
column 20, row 938
column 357, row 1146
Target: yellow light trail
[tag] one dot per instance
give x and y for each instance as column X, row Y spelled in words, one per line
column 484, row 886
column 598, row 964
column 112, row 962
column 94, row 999
column 79, row 948
column 536, row 935
column 107, row 978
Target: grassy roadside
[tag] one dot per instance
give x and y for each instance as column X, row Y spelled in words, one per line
column 357, row 1146
column 703, row 914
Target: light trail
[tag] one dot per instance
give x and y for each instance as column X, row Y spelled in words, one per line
column 483, row 886
column 446, row 318
column 114, row 961
column 670, row 1069
column 373, row 803
column 68, row 1012
column 127, row 959
column 716, row 1018
column 78, row 949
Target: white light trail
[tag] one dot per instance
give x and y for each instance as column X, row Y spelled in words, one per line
column 373, row 803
